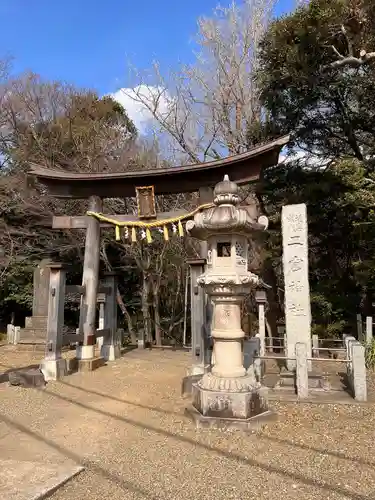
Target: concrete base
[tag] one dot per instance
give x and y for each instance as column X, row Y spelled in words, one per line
column 85, row 351
column 188, row 382
column 249, row 424
column 230, row 405
column 288, row 380
column 53, row 369
column 85, row 365
column 110, row 352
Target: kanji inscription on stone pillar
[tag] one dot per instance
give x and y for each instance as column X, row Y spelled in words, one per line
column 296, row 279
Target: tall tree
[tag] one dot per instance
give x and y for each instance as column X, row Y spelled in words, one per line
column 316, row 74
column 211, row 104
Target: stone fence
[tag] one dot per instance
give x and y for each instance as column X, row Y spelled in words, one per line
column 354, row 361
column 13, row 334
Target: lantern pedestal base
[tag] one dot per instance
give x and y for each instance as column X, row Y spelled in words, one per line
column 228, row 409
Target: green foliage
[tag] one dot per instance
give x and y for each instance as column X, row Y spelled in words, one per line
column 329, row 112
column 329, row 109
column 370, row 355
column 18, row 288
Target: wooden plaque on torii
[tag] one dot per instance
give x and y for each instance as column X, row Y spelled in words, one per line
column 146, row 202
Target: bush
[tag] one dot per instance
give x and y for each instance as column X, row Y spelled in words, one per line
column 370, row 355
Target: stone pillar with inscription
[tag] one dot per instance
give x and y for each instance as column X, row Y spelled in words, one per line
column 296, row 281
column 36, row 325
column 229, row 395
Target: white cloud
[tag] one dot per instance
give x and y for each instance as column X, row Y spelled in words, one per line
column 131, row 99
column 310, row 160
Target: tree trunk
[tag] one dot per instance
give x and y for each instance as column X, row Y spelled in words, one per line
column 125, row 312
column 273, row 310
column 155, row 304
column 146, row 308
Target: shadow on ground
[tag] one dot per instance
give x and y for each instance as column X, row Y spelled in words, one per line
column 329, row 488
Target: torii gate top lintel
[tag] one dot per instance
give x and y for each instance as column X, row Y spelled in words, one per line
column 242, row 169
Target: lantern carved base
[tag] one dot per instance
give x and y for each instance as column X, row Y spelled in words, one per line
column 240, row 403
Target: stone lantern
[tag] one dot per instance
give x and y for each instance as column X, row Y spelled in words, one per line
column 228, row 394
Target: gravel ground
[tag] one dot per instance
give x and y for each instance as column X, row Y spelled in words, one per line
column 125, row 423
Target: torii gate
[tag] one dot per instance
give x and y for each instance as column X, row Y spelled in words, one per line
column 243, row 169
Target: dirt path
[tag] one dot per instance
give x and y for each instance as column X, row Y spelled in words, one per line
column 125, row 423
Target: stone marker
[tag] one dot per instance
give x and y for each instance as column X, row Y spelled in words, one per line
column 41, row 288
column 296, row 279
column 36, row 325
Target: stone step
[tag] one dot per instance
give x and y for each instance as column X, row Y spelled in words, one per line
column 26, row 334
column 37, row 322
column 32, row 346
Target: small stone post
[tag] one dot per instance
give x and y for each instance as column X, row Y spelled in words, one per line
column 10, row 334
column 198, row 341
column 315, row 345
column 302, row 373
column 359, row 381
column 100, row 340
column 54, row 366
column 111, row 349
column 261, row 300
column 369, row 336
column 359, row 327
column 17, row 334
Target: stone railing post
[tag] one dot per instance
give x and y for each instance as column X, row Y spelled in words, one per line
column 358, row 371
column 359, row 328
column 198, row 334
column 315, row 346
column 198, row 322
column 302, row 373
column 348, row 339
column 54, row 366
column 261, row 300
column 100, row 340
column 10, row 334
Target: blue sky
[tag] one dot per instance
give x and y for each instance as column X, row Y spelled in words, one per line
column 88, row 42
